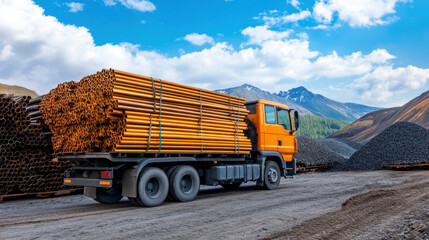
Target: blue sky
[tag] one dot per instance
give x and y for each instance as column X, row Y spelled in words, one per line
column 370, row 51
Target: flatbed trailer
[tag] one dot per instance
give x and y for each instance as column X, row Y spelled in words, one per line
column 148, row 178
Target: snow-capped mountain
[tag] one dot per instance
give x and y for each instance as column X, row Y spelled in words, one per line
column 251, row 93
column 304, row 101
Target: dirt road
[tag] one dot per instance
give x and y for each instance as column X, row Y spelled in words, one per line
column 308, row 206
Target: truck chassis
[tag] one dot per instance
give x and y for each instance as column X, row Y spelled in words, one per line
column 147, row 179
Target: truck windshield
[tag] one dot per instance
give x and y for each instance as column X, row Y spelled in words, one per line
column 283, row 118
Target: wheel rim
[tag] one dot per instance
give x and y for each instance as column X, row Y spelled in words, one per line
column 110, row 191
column 186, row 184
column 152, row 187
column 272, row 175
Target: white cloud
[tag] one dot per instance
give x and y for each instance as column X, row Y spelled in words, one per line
column 325, row 27
column 75, row 6
column 109, row 2
column 322, row 12
column 6, row 52
column 199, row 39
column 385, row 83
column 39, row 52
column 294, row 3
column 139, row 5
column 320, row 26
column 334, row 66
column 294, row 17
column 361, row 13
column 260, row 34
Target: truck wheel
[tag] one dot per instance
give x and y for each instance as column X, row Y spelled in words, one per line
column 152, row 187
column 271, row 175
column 184, row 183
column 231, row 186
column 108, row 195
column 169, row 171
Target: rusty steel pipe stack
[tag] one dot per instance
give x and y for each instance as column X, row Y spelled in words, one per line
column 115, row 111
column 26, row 153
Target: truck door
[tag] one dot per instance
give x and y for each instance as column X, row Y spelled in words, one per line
column 285, row 139
column 270, row 129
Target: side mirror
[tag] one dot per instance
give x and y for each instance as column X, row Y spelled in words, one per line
column 296, row 119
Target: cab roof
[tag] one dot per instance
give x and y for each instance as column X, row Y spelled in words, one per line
column 262, row 101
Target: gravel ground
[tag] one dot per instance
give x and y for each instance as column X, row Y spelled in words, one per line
column 312, row 152
column 413, row 225
column 339, row 147
column 248, row 213
column 396, row 212
column 402, row 142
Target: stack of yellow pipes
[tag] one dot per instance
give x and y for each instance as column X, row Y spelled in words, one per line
column 133, row 113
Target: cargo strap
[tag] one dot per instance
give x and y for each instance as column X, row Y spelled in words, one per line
column 201, row 121
column 160, row 112
column 150, row 132
column 238, row 124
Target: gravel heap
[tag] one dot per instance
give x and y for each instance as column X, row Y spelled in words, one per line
column 353, row 144
column 338, row 147
column 312, row 152
column 402, row 142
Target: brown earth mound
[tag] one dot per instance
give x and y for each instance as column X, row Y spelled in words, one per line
column 370, row 125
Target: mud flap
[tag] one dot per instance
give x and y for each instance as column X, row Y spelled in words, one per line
column 261, row 162
column 90, row 192
column 290, row 169
column 129, row 183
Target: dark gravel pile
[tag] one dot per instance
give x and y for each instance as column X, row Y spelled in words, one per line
column 338, row 147
column 402, row 142
column 352, row 144
column 312, row 152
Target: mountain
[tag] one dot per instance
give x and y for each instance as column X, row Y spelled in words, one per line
column 251, row 93
column 325, row 107
column 305, row 102
column 319, row 127
column 370, row 125
column 17, row 90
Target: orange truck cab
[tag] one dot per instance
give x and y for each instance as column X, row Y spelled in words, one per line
column 272, row 130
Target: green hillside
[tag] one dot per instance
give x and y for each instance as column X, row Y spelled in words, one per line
column 319, row 127
column 17, row 90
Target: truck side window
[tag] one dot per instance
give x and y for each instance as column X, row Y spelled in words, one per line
column 270, row 115
column 283, row 118
column 251, row 108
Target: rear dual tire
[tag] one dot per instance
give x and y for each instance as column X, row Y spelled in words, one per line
column 184, row 183
column 180, row 183
column 152, row 187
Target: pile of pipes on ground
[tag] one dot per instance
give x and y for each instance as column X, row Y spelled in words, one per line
column 26, row 164
column 115, row 111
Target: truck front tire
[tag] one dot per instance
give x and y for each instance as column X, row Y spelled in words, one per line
column 108, row 195
column 184, row 183
column 152, row 187
column 271, row 175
